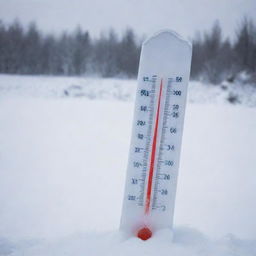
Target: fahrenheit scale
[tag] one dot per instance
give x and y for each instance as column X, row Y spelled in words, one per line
column 156, row 136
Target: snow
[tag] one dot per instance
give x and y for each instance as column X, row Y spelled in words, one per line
column 63, row 162
column 59, row 87
column 185, row 242
column 114, row 89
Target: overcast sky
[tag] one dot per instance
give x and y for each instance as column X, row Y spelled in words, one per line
column 145, row 16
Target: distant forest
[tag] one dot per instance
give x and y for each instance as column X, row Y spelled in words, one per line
column 28, row 51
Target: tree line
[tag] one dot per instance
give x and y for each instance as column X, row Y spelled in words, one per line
column 216, row 58
column 28, row 51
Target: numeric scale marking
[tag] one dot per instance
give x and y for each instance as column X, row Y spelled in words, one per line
column 156, row 159
column 153, row 153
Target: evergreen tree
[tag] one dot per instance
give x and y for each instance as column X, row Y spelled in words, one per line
column 245, row 46
column 81, row 51
column 32, row 47
column 129, row 54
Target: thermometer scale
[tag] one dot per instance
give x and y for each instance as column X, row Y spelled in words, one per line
column 156, row 136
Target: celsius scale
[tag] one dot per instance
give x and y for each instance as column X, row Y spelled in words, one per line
column 156, row 135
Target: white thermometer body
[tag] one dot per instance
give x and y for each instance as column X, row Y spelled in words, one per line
column 157, row 133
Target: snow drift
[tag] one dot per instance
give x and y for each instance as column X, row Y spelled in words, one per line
column 62, row 171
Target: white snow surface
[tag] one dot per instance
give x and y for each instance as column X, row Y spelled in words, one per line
column 63, row 159
column 116, row 89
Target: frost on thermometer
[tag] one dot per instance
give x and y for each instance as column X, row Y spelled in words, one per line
column 156, row 137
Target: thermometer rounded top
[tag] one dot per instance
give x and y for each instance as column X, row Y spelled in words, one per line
column 168, row 51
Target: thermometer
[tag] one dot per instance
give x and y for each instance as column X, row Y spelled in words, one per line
column 155, row 147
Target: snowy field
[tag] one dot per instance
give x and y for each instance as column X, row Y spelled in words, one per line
column 116, row 89
column 63, row 153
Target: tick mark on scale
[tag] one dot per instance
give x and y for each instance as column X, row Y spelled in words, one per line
column 153, row 153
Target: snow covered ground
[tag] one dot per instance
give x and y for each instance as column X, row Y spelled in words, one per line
column 63, row 160
column 116, row 89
